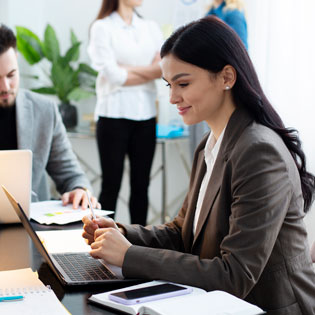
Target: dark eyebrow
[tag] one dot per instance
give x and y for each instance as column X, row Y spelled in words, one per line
column 9, row 73
column 177, row 76
column 12, row 72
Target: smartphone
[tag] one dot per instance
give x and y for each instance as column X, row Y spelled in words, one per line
column 151, row 293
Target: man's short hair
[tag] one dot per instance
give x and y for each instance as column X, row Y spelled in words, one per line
column 7, row 39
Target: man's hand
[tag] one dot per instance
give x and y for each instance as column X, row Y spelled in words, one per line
column 78, row 197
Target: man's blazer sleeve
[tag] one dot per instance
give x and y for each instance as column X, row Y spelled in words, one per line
column 63, row 165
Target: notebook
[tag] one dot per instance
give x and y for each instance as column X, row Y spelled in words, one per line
column 16, row 175
column 197, row 302
column 28, row 294
column 72, row 269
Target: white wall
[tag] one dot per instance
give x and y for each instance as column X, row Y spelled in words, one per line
column 282, row 47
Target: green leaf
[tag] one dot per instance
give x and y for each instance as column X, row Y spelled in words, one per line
column 74, row 40
column 29, row 45
column 29, row 76
column 87, row 69
column 73, row 37
column 78, row 94
column 51, row 44
column 45, row 90
column 64, row 80
column 73, row 53
column 68, row 83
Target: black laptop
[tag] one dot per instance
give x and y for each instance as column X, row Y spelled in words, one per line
column 72, row 269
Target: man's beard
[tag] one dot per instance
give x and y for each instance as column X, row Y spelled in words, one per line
column 10, row 100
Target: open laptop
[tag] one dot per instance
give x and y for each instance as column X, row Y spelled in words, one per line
column 72, row 269
column 16, row 175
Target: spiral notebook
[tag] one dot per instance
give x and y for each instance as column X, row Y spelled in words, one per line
column 37, row 298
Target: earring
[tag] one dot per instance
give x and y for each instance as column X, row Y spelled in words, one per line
column 227, row 88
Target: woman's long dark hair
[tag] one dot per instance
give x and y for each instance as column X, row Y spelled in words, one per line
column 211, row 44
column 108, row 7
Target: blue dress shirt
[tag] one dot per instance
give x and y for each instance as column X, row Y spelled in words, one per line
column 233, row 18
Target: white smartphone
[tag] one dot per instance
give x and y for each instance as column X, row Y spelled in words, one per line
column 151, row 293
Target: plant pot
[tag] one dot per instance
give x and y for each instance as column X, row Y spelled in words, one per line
column 69, row 115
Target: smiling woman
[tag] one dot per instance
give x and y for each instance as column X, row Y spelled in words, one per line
column 199, row 94
column 240, row 228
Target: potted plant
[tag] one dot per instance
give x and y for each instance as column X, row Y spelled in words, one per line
column 69, row 79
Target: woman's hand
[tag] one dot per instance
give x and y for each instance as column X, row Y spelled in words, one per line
column 110, row 245
column 91, row 225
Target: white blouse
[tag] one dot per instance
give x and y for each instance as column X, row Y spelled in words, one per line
column 114, row 43
column 211, row 152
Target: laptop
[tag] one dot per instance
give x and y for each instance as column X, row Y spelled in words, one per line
column 72, row 269
column 16, row 175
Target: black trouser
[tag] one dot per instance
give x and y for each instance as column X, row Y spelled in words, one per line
column 115, row 139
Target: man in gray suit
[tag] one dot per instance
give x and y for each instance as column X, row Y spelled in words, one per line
column 32, row 121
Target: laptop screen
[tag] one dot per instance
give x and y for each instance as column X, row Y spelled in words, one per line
column 27, row 225
column 16, row 176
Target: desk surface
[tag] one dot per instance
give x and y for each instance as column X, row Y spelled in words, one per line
column 17, row 251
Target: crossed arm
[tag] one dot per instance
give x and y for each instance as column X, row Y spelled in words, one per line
column 142, row 74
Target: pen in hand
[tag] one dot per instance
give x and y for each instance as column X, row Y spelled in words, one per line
column 90, row 204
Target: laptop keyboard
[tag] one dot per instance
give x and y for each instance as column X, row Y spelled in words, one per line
column 82, row 267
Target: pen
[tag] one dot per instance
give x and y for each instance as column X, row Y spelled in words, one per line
column 11, row 298
column 90, row 204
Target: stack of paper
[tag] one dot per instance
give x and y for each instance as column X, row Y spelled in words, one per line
column 53, row 212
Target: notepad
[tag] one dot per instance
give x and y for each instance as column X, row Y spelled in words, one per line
column 198, row 302
column 38, row 299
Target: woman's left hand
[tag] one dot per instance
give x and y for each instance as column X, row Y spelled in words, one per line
column 110, row 245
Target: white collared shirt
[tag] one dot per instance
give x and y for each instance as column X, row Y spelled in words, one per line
column 210, row 154
column 114, row 43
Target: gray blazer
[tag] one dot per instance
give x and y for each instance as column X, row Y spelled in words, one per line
column 40, row 129
column 250, row 240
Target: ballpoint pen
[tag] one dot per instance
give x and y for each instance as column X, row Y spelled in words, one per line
column 90, row 204
column 11, row 298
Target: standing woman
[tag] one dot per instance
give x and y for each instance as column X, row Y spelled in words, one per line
column 240, row 228
column 125, row 48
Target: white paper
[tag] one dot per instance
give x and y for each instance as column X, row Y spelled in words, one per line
column 38, row 299
column 53, row 212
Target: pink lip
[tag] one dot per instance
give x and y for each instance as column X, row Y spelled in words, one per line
column 183, row 110
column 4, row 95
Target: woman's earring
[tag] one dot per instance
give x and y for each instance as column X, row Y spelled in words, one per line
column 227, row 88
